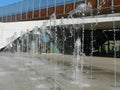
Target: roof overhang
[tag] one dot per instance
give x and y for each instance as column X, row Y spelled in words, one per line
column 100, row 22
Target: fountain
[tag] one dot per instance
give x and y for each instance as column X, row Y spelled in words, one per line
column 81, row 9
column 100, row 4
column 12, row 48
column 78, row 65
column 55, row 68
column 27, row 40
column 64, row 39
column 79, row 45
column 77, row 52
column 22, row 66
column 115, row 61
column 44, row 70
column 34, row 49
column 40, row 44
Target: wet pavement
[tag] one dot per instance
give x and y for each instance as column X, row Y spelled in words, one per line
column 25, row 72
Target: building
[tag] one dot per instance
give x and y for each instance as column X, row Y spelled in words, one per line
column 100, row 40
column 42, row 9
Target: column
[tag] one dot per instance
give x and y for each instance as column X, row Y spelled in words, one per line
column 26, row 9
column 21, row 10
column 64, row 7
column 55, row 7
column 16, row 13
column 112, row 5
column 33, row 9
column 2, row 14
column 6, row 13
column 98, row 6
column 39, row 8
column 47, row 8
column 74, row 5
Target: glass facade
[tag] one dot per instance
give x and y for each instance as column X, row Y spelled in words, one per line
column 107, row 49
column 30, row 5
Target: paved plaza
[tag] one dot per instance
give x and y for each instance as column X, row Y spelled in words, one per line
column 20, row 72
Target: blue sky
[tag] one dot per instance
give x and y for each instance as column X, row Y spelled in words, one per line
column 6, row 2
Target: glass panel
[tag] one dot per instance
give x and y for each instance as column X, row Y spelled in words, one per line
column 59, row 2
column 44, row 4
column 19, row 7
column 7, row 10
column 13, row 9
column 30, row 5
column 51, row 3
column 24, row 9
column 16, row 9
column 1, row 11
column 36, row 4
